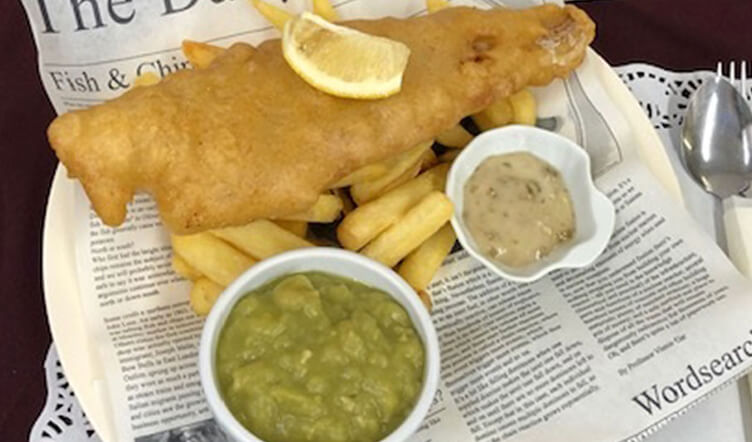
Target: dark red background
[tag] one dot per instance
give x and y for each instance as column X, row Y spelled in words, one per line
column 678, row 35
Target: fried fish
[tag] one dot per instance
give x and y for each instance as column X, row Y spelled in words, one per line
column 246, row 138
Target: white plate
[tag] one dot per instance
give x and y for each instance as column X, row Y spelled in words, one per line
column 76, row 349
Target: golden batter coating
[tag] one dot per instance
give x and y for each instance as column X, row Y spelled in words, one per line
column 246, row 138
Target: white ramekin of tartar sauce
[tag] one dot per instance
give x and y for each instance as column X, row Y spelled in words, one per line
column 496, row 203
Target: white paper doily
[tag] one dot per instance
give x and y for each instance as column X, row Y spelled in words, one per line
column 62, row 418
column 662, row 94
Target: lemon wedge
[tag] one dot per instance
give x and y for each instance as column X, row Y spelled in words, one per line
column 342, row 61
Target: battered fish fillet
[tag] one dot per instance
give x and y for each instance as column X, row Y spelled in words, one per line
column 246, row 138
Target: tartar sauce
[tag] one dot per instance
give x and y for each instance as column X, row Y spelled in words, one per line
column 517, row 208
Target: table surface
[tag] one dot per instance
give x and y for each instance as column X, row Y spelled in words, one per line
column 687, row 35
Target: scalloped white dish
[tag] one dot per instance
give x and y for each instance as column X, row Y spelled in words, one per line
column 594, row 212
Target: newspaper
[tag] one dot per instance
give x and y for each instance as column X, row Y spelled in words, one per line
column 604, row 353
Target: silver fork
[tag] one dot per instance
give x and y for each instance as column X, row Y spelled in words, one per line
column 741, row 83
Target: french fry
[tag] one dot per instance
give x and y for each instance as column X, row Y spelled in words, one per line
column 326, row 209
column 425, row 298
column 261, row 239
column 373, row 172
column 298, row 228
column 457, row 137
column 409, row 174
column 449, row 156
column 421, row 264
column 428, row 160
column 276, row 16
column 200, row 54
column 436, row 5
column 368, row 220
column 211, row 256
column 183, row 269
column 365, row 173
column 523, row 107
column 499, row 113
column 146, row 79
column 203, row 295
column 363, row 192
column 325, row 10
column 418, row 224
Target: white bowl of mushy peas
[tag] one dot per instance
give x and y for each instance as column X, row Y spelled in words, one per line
column 319, row 344
column 525, row 203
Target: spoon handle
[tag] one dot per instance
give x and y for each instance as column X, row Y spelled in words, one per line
column 737, row 222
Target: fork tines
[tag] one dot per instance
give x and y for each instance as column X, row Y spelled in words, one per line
column 741, row 82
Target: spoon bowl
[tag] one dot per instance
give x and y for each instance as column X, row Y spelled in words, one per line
column 717, row 139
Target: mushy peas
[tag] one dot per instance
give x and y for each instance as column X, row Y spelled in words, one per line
column 517, row 208
column 315, row 357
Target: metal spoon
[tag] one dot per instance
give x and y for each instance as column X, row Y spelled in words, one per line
column 717, row 139
column 717, row 145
